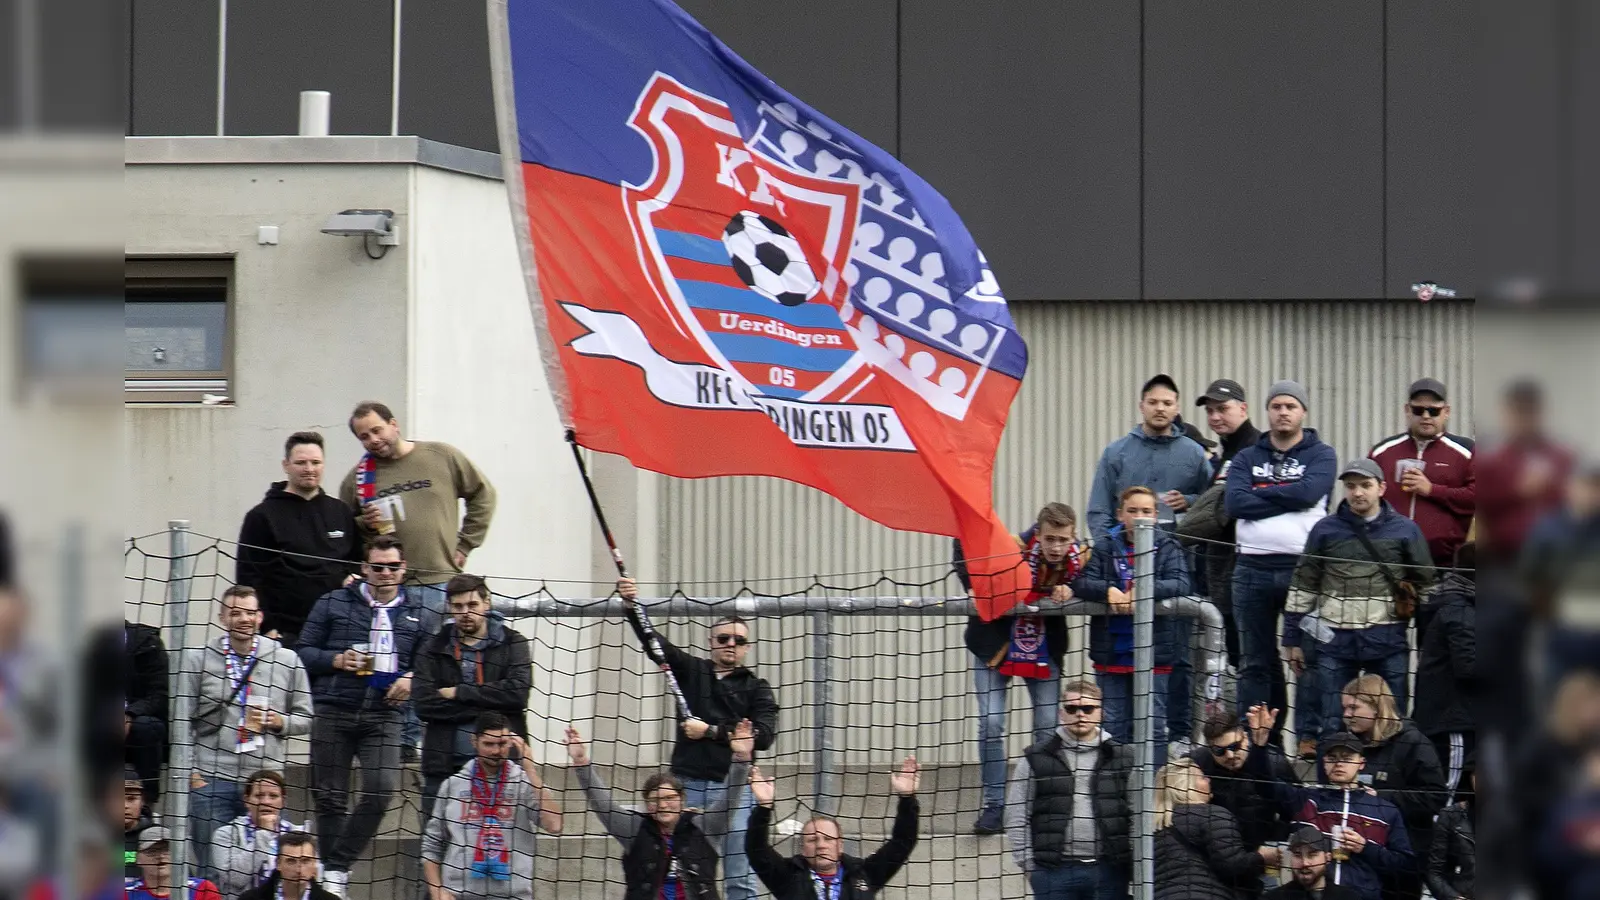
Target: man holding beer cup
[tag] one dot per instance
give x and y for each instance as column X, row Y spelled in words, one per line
column 358, row 645
column 1368, row 839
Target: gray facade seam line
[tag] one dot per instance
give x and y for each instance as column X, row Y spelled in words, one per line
column 296, row 150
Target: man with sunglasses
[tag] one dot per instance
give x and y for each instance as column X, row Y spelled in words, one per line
column 358, row 645
column 1248, row 797
column 1428, row 472
column 1068, row 812
column 721, row 693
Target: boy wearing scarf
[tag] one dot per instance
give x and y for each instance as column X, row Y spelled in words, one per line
column 479, row 843
column 1029, row 647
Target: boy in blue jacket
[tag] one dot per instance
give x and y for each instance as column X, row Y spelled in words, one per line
column 1368, row 833
column 1108, row 579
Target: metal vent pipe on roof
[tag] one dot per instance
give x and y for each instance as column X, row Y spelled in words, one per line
column 314, row 107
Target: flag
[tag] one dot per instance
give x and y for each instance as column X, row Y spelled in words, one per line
column 726, row 282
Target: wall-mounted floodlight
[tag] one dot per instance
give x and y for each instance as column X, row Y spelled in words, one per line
column 374, row 226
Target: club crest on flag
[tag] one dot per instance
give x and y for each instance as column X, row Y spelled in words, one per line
column 793, row 268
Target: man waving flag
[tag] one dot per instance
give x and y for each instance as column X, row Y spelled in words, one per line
column 726, row 282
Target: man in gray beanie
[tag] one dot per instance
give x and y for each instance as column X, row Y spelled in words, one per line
column 1277, row 490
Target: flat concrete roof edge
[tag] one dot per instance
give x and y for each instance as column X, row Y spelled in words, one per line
column 343, row 149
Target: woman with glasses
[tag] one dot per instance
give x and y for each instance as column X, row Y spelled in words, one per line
column 1248, row 797
column 1199, row 855
column 668, row 850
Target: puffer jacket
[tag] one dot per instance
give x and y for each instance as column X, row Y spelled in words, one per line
column 342, row 619
column 1111, row 637
column 1200, row 855
column 1338, row 578
column 1452, row 864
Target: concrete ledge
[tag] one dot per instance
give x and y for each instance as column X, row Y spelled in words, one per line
column 296, row 150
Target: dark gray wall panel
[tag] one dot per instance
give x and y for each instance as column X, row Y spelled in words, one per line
column 1026, row 116
column 173, row 48
column 83, row 68
column 1263, row 150
column 445, row 93
column 1584, row 108
column 837, row 55
column 278, row 49
column 1432, row 92
column 1521, row 192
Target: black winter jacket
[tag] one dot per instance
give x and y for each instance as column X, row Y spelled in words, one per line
column 268, row 890
column 1405, row 771
column 790, row 879
column 1447, row 664
column 1053, row 787
column 719, row 702
column 145, row 673
column 1199, row 856
column 1293, row 891
column 503, row 688
column 1249, row 797
column 1452, row 863
column 322, row 531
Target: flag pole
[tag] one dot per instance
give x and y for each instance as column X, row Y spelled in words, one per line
column 635, row 612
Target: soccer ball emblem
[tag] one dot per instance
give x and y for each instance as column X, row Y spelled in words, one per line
column 767, row 258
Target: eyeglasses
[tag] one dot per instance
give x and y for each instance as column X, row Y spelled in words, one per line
column 386, row 567
column 1082, row 709
column 1434, row 411
column 738, row 640
column 1234, row 747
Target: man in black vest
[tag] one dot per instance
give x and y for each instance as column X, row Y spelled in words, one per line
column 1069, row 815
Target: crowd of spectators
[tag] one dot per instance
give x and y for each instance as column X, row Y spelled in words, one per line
column 1350, row 584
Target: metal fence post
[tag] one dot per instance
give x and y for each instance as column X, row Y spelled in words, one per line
column 180, row 573
column 70, row 734
column 825, row 789
column 1144, row 657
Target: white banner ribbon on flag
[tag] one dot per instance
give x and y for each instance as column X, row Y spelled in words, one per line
column 844, row 426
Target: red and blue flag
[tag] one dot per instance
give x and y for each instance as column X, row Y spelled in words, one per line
column 729, row 283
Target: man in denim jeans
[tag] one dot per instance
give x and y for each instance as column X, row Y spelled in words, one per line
column 721, row 693
column 358, row 645
column 1023, row 646
column 1276, row 492
column 250, row 695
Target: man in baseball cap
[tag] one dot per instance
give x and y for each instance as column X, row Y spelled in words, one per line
column 1429, row 471
column 155, row 866
column 1309, row 851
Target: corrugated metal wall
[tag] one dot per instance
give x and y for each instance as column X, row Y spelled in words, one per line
column 1088, row 361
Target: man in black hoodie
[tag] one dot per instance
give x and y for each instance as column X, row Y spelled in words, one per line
column 298, row 543
column 475, row 665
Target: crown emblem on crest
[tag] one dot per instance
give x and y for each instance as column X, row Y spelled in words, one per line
column 900, row 310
